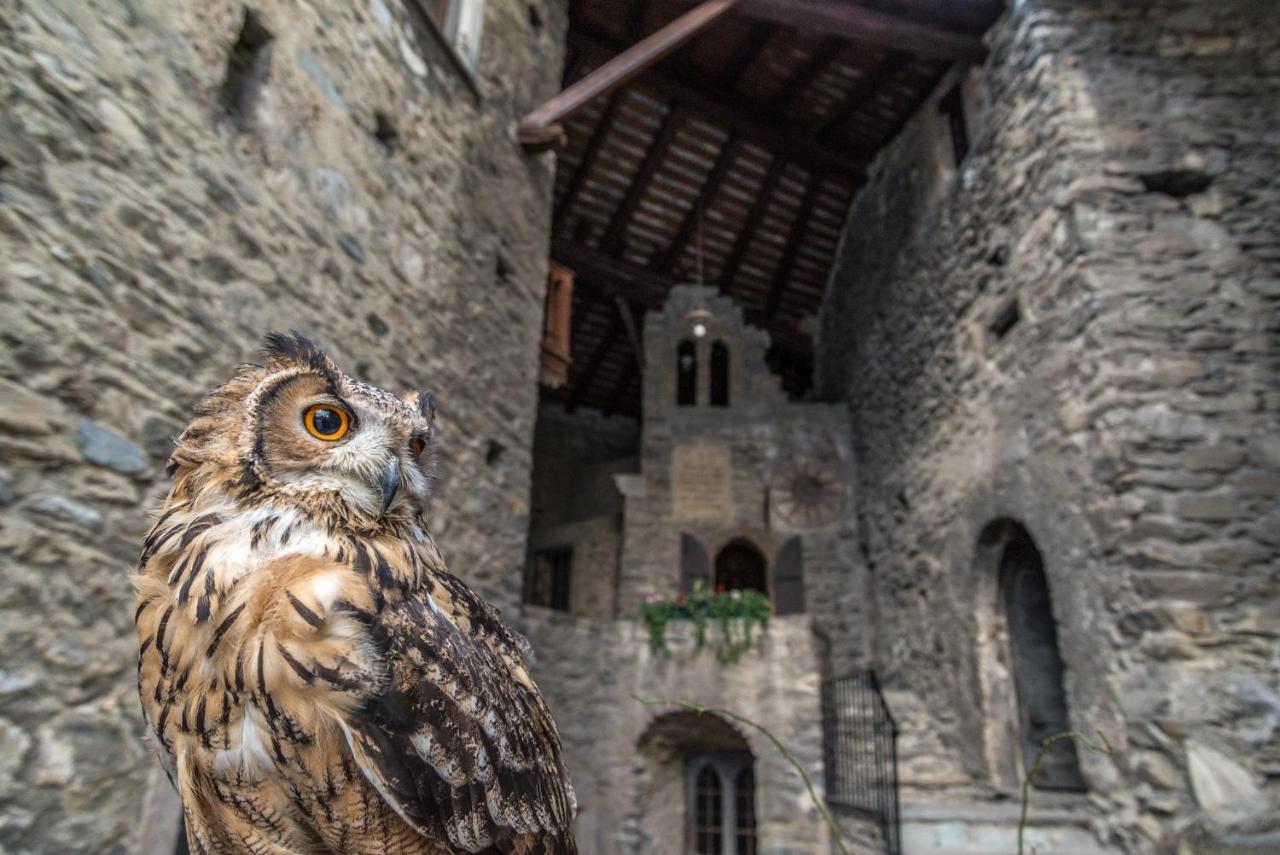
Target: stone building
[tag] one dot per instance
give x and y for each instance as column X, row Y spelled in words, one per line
column 978, row 385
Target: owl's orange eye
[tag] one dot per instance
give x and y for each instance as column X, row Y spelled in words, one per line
column 326, row 422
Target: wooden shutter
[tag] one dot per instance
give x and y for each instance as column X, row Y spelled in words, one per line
column 788, row 579
column 694, row 563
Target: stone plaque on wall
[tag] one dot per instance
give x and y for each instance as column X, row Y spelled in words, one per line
column 700, row 482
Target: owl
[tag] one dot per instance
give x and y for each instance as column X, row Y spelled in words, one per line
column 316, row 681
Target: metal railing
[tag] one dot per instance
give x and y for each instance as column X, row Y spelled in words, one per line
column 860, row 753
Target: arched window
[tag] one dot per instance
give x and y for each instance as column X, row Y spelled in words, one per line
column 1037, row 663
column 722, row 798
column 686, row 374
column 719, row 374
column 740, row 567
column 744, row 791
column 708, row 812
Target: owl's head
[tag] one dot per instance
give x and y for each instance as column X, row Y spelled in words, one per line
column 296, row 431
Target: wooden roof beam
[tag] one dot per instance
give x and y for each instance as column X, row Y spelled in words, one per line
column 858, row 23
column 804, row 74
column 754, row 216
column 543, row 127
column 710, row 188
column 588, row 162
column 598, row 356
column 861, row 93
column 610, row 277
column 752, row 47
column 794, row 241
column 625, row 381
column 762, row 127
column 653, row 158
column 631, row 328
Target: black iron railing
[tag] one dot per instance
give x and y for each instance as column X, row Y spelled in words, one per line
column 860, row 753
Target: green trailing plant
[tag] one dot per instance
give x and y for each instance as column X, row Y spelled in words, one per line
column 737, row 614
column 1101, row 747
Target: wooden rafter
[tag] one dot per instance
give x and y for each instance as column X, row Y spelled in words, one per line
column 588, row 162
column 625, row 381
column 750, row 50
column 667, row 262
column 631, row 328
column 861, row 93
column 761, row 126
column 807, row 72
column 847, row 20
column 543, row 127
column 583, row 382
column 795, row 240
column 610, row 277
column 754, row 216
column 653, row 158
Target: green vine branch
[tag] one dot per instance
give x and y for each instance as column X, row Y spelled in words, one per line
column 836, row 833
column 1101, row 747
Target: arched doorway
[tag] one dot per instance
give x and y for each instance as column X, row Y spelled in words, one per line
column 1031, row 661
column 709, row 762
column 741, row 567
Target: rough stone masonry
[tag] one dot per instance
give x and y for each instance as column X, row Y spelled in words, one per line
column 175, row 180
column 1076, row 329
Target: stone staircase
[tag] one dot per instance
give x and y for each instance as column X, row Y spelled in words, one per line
column 984, row 828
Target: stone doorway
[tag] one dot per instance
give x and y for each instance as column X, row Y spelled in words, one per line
column 697, row 791
column 1022, row 666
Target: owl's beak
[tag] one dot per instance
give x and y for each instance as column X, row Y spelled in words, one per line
column 390, row 484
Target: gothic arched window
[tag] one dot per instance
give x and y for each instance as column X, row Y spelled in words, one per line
column 719, row 374
column 1037, row 664
column 708, row 816
column 686, row 374
column 722, row 799
column 744, row 791
column 741, row 567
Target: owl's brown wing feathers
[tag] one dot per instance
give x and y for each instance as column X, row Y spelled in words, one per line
column 459, row 740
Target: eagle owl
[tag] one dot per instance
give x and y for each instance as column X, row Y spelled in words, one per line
column 315, row 678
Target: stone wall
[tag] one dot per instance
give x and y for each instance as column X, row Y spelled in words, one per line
column 1076, row 330
column 595, row 675
column 575, row 501
column 717, row 474
column 154, row 223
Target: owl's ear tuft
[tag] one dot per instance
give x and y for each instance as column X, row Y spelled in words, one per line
column 294, row 348
column 427, row 405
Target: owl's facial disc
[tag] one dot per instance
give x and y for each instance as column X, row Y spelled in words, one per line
column 326, row 435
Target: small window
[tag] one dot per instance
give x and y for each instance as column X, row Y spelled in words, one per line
column 952, row 106
column 548, row 583
column 460, row 23
column 556, row 326
column 686, row 374
column 719, row 374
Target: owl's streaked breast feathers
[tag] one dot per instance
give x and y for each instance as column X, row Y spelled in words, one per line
column 316, row 679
